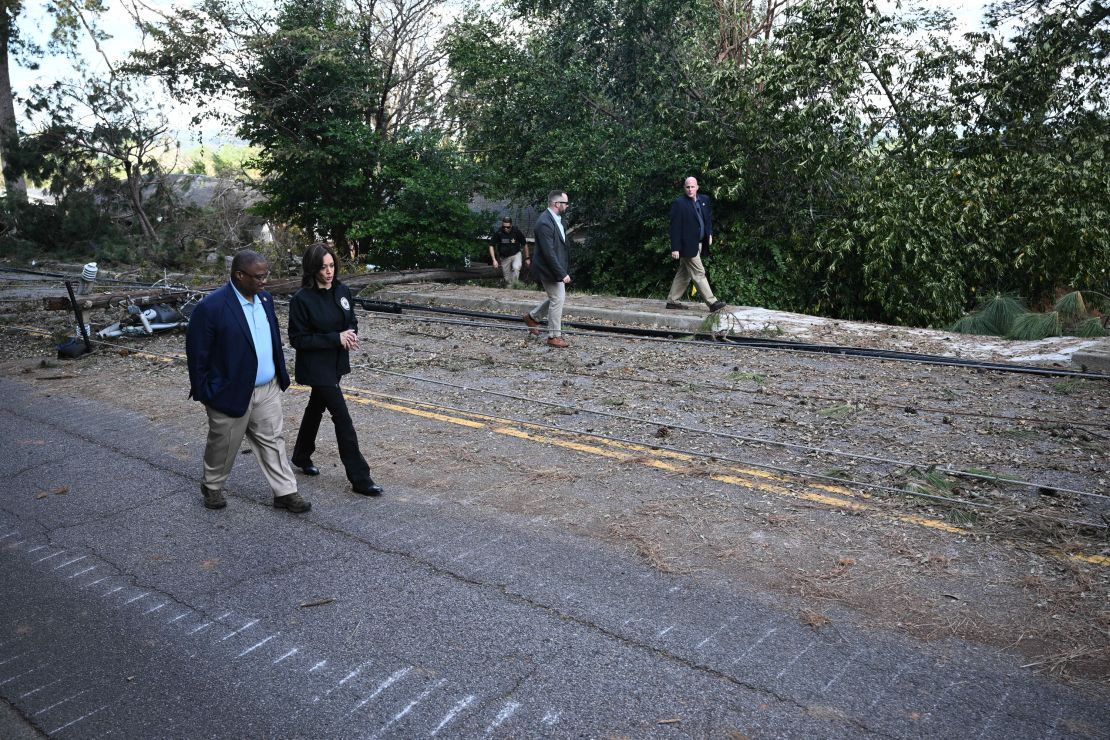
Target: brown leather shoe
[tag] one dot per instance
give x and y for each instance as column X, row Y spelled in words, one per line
column 557, row 342
column 532, row 324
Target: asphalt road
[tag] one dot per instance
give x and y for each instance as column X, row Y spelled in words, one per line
column 130, row 610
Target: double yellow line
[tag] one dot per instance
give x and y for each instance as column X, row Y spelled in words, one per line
column 671, row 461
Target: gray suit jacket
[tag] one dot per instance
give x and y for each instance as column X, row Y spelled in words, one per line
column 551, row 258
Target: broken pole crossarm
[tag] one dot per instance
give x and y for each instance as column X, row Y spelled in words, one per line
column 172, row 296
column 145, row 297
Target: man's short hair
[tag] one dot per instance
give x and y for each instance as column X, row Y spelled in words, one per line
column 554, row 195
column 506, row 220
column 245, row 258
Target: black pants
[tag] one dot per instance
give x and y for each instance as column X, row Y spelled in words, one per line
column 330, row 397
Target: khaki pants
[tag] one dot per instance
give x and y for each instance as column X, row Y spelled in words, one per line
column 510, row 267
column 691, row 270
column 262, row 426
column 552, row 308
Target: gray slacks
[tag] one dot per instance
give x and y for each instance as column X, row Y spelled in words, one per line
column 552, row 308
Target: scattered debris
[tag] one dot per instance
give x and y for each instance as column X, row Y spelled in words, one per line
column 318, row 602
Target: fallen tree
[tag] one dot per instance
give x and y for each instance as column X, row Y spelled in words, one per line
column 172, row 296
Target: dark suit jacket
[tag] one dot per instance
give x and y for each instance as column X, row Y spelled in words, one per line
column 550, row 257
column 220, row 351
column 316, row 319
column 684, row 224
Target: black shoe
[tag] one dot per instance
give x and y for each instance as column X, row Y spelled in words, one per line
column 308, row 469
column 213, row 499
column 717, row 306
column 371, row 489
column 675, row 306
column 292, row 502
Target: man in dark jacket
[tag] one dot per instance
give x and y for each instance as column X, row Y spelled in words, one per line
column 237, row 370
column 505, row 247
column 691, row 235
column 551, row 266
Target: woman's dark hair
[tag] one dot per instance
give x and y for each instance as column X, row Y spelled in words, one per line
column 313, row 260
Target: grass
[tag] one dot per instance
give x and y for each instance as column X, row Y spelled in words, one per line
column 992, row 474
column 838, row 412
column 1067, row 387
column 962, row 517
column 771, row 330
column 929, row 482
column 754, row 377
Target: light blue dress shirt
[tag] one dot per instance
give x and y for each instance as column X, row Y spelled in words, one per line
column 259, row 324
column 559, row 223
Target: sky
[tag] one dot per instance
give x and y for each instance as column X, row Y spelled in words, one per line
column 116, row 22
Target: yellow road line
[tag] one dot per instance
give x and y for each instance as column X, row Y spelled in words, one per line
column 644, row 455
column 631, row 452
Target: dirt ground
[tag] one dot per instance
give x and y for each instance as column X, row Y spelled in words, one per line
column 780, row 473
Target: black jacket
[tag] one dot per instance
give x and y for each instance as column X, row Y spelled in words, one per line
column 685, row 227
column 506, row 245
column 316, row 318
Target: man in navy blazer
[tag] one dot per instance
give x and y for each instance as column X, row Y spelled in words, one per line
column 237, row 370
column 691, row 235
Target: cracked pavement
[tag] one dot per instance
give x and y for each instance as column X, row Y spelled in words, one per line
column 402, row 617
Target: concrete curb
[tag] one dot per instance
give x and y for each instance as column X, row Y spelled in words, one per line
column 1095, row 358
column 685, row 322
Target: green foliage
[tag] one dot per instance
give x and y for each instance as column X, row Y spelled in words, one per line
column 1036, row 326
column 72, row 228
column 228, row 161
column 342, row 101
column 1007, row 317
column 864, row 164
column 1091, row 327
column 427, row 222
column 996, row 315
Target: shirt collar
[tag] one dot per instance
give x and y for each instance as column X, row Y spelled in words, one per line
column 242, row 299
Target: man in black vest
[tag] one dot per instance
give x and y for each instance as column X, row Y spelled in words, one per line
column 505, row 248
column 691, row 235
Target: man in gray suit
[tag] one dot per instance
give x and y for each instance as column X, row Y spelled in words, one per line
column 551, row 266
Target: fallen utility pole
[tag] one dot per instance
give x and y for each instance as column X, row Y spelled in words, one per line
column 172, row 296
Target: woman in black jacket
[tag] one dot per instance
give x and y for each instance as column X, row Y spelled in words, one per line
column 323, row 329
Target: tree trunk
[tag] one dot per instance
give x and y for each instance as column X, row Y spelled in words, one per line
column 135, row 193
column 9, row 132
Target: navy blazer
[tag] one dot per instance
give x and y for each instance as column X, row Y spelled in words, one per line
column 220, row 351
column 550, row 256
column 684, row 224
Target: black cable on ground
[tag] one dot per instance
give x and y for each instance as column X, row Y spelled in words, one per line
column 779, row 344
